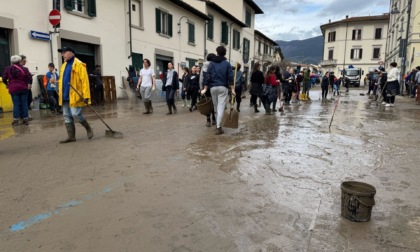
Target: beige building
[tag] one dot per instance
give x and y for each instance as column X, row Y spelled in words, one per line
column 264, row 50
column 359, row 42
column 403, row 44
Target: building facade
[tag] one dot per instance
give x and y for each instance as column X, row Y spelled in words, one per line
column 403, row 40
column 264, row 50
column 358, row 42
column 116, row 34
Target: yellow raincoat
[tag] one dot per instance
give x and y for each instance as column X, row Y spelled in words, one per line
column 79, row 80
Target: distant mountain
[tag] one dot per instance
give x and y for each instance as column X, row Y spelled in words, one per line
column 303, row 51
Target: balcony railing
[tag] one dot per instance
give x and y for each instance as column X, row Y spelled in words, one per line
column 329, row 62
column 267, row 57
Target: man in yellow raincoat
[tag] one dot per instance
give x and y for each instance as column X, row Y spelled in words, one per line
column 73, row 72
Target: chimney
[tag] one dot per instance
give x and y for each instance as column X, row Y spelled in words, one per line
column 347, row 16
column 329, row 21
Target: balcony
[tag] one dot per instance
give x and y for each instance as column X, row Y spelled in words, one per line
column 331, row 62
column 267, row 58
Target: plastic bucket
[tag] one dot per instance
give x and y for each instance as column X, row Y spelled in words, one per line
column 357, row 200
column 205, row 106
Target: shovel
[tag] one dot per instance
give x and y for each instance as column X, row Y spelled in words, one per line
column 109, row 132
column 231, row 116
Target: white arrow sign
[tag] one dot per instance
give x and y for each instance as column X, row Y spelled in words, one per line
column 40, row 35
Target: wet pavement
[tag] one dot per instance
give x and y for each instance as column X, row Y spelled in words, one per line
column 171, row 184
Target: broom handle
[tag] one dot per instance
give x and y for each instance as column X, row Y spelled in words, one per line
column 234, row 82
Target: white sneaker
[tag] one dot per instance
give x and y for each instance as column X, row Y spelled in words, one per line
column 388, row 105
column 383, row 103
column 392, row 105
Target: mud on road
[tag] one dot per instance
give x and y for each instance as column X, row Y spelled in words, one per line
column 172, row 185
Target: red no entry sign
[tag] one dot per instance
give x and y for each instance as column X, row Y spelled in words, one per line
column 54, row 17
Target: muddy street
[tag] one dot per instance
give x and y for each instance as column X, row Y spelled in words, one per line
column 171, row 184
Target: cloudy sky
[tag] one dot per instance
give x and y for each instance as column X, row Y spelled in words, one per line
column 301, row 19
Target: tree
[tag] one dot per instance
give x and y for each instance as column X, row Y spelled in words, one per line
column 277, row 49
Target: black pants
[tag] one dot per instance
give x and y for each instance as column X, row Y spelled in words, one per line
column 324, row 92
column 194, row 94
column 170, row 95
column 99, row 95
column 29, row 98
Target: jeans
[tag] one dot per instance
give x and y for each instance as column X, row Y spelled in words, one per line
column 170, row 95
column 20, row 104
column 219, row 95
column 69, row 113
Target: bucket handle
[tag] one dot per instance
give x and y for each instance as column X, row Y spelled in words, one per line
column 364, row 203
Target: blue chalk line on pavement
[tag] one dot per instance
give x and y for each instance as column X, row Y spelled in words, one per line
column 41, row 217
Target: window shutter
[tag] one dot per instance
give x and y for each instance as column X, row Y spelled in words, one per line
column 353, row 37
column 191, row 31
column 92, row 8
column 360, row 55
column 351, row 53
column 210, row 28
column 245, row 55
column 69, row 4
column 225, row 34
column 170, row 25
column 158, row 22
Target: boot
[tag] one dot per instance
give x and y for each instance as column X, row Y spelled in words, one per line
column 175, row 110
column 307, row 97
column 188, row 103
column 146, row 108
column 213, row 120
column 219, row 131
column 256, row 108
column 169, row 110
column 238, row 104
column 184, row 103
column 15, row 122
column 150, row 107
column 71, row 133
column 267, row 109
column 89, row 130
column 208, row 124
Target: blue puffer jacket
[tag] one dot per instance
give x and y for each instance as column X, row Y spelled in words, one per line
column 219, row 73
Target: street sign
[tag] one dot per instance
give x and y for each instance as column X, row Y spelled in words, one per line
column 54, row 17
column 40, row 35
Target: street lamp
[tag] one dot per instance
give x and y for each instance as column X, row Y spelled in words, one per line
column 404, row 42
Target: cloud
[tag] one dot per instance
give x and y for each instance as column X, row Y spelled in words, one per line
column 301, row 19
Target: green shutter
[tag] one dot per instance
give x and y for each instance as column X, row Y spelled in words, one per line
column 137, row 61
column 210, row 28
column 191, row 33
column 69, row 4
column 225, row 33
column 92, row 8
column 170, row 25
column 158, row 22
column 361, row 53
column 245, row 55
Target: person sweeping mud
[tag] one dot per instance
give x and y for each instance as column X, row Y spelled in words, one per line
column 219, row 80
column 73, row 73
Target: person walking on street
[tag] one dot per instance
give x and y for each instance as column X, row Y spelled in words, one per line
column 170, row 86
column 290, row 86
column 52, row 91
column 219, row 80
column 270, row 92
column 16, row 78
column 240, row 81
column 306, row 85
column 73, row 72
column 257, row 81
column 147, row 85
column 98, row 87
column 324, row 86
column 392, row 86
column 29, row 97
column 203, row 83
column 193, row 87
column 184, row 80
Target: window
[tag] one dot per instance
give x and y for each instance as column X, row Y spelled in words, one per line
column 136, row 13
column 191, row 33
column 137, row 61
column 225, row 34
column 248, row 18
column 356, row 53
column 87, row 7
column 376, row 53
column 331, row 36
column 259, row 47
column 331, row 54
column 236, row 40
column 163, row 22
column 210, row 28
column 245, row 54
column 378, row 33
column 265, row 48
column 357, row 35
